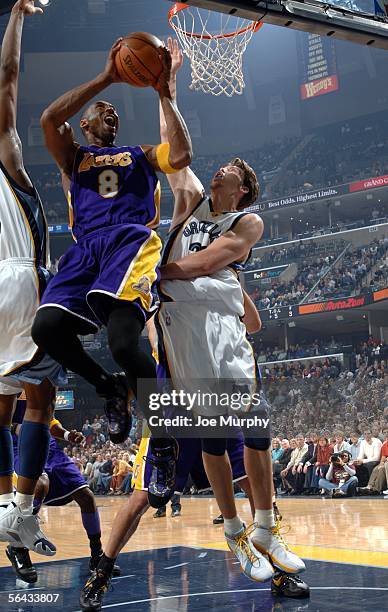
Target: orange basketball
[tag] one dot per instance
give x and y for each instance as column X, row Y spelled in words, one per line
column 138, row 62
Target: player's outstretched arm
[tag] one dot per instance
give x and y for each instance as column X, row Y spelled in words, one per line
column 10, row 145
column 234, row 246
column 60, row 433
column 58, row 134
column 185, row 185
column 176, row 153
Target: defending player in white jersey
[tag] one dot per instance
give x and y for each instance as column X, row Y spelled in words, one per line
column 23, row 275
column 210, row 239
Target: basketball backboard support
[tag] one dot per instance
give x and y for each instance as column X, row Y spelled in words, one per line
column 360, row 21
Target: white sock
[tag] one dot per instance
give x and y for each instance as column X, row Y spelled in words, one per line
column 6, row 498
column 25, row 502
column 233, row 526
column 265, row 518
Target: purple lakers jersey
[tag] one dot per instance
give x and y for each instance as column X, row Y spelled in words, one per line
column 112, row 186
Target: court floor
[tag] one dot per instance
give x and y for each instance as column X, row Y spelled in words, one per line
column 182, row 564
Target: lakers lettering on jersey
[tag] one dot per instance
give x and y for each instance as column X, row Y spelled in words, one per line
column 113, row 186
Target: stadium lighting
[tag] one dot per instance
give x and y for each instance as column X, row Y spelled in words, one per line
column 44, row 2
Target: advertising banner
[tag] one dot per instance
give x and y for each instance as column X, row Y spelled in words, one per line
column 317, row 66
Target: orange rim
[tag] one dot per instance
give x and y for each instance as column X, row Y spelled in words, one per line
column 181, row 6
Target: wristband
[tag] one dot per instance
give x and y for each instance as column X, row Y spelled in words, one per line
column 66, row 436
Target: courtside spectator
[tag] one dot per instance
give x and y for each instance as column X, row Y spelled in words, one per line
column 355, row 445
column 340, row 443
column 341, row 476
column 368, row 458
column 292, row 474
column 378, row 480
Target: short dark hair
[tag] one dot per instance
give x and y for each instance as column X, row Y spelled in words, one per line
column 250, row 181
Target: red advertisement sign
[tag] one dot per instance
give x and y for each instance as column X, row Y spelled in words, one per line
column 331, row 305
column 380, row 295
column 319, row 87
column 372, row 183
column 317, row 65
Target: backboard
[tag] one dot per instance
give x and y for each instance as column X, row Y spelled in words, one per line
column 360, row 21
column 6, row 6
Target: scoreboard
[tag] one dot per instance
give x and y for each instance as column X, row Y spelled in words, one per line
column 284, row 313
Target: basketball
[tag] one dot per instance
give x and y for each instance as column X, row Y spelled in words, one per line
column 138, row 62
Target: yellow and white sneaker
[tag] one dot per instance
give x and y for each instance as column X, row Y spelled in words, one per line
column 270, row 543
column 253, row 564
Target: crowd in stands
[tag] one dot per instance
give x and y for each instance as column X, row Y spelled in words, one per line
column 359, row 268
column 47, row 181
column 346, row 411
column 332, row 155
column 266, row 353
column 350, row 276
column 295, row 252
column 332, row 464
column 336, row 154
column 106, row 467
column 320, row 412
column 366, row 351
column 324, row 396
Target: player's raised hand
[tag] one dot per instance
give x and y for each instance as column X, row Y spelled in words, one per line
column 110, row 70
column 176, row 55
column 162, row 85
column 75, row 437
column 27, row 7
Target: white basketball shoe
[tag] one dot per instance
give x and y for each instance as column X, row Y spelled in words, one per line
column 253, row 564
column 19, row 528
column 270, row 543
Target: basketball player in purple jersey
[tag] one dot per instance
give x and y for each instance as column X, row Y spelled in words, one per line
column 60, row 483
column 23, row 276
column 109, row 276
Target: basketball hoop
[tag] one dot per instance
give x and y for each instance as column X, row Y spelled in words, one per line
column 215, row 58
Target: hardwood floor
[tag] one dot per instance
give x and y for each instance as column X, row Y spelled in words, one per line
column 351, row 530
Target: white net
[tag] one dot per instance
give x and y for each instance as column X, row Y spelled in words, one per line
column 215, row 44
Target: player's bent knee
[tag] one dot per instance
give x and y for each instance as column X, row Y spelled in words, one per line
column 51, row 323
column 214, row 446
column 85, row 499
column 45, row 326
column 138, row 503
column 261, row 444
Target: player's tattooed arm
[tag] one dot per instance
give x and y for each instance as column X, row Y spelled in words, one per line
column 251, row 318
column 232, row 247
column 185, row 185
column 58, row 134
column 10, row 144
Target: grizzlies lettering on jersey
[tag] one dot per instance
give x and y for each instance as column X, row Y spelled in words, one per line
column 23, row 226
column 112, row 186
column 193, row 235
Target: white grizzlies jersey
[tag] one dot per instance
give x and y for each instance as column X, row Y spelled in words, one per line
column 23, row 256
column 23, row 226
column 202, row 337
column 195, row 234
